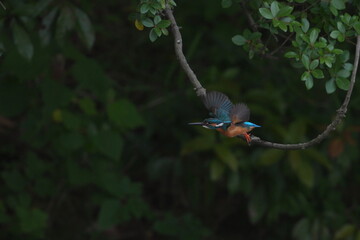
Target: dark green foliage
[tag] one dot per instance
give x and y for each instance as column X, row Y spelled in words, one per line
column 93, row 136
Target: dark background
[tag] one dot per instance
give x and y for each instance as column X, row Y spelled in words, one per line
column 94, row 143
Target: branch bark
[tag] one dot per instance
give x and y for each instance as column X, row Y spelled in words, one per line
column 200, row 90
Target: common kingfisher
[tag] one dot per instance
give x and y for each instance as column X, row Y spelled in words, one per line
column 228, row 119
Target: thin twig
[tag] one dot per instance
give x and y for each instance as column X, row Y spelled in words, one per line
column 254, row 27
column 200, row 91
column 285, row 41
column 253, row 24
column 254, row 139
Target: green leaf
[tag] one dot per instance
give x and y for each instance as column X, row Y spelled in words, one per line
column 165, row 31
column 342, row 83
column 265, row 12
column 147, row 22
column 346, row 18
column 348, row 66
column 341, row 27
column 283, row 26
column 65, row 23
column 153, row 35
column 157, row 19
column 227, row 157
column 317, row 73
column 226, row 3
column 238, row 40
column 302, row 168
column 164, row 24
column 86, row 29
column 314, row 35
column 124, row 114
column 338, row 4
column 335, row 34
column 306, row 61
column 337, row 51
column 305, row 25
column 305, row 76
column 314, row 64
column 357, row 27
column 291, row 55
column 22, row 41
column 328, row 62
column 172, row 3
column 309, row 83
column 144, row 8
column 109, row 213
column 345, row 55
column 285, row 11
column 320, row 45
column 334, row 11
column 109, row 143
column 343, row 73
column 158, row 31
column 274, row 8
column 47, row 21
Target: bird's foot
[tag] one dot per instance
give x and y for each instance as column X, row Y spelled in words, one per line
column 248, row 138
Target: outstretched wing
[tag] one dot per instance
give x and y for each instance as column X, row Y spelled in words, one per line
column 239, row 113
column 219, row 105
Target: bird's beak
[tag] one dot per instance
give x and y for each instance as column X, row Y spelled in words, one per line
column 196, row 123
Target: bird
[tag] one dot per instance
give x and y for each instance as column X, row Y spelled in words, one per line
column 231, row 120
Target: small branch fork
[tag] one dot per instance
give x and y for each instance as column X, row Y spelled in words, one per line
column 201, row 91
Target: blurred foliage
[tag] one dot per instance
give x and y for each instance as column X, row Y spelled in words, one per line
column 93, row 133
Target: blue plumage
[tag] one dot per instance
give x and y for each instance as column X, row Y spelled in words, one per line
column 219, row 105
column 249, row 124
column 230, row 120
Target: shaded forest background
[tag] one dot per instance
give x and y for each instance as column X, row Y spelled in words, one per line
column 94, row 141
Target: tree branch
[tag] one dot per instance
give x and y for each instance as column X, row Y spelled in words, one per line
column 200, row 91
column 331, row 127
column 253, row 25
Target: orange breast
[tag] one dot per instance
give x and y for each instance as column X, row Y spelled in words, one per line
column 233, row 131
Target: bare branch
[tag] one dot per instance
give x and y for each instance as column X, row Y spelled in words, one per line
column 254, row 139
column 200, row 91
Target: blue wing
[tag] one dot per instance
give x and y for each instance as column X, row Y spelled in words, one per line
column 219, row 105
